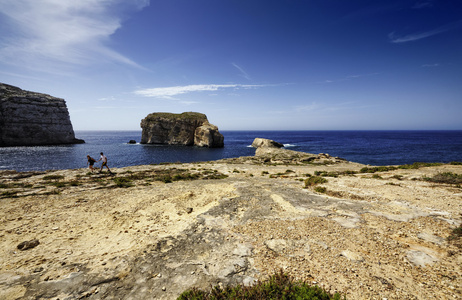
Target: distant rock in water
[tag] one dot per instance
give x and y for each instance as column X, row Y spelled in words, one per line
column 33, row 119
column 259, row 142
column 188, row 129
column 131, row 142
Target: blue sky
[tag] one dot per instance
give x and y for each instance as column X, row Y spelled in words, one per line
column 246, row 64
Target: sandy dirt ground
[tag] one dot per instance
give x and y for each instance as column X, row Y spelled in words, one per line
column 368, row 236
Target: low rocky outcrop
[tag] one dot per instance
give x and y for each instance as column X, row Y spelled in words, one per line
column 187, row 129
column 259, row 142
column 32, row 119
column 271, row 151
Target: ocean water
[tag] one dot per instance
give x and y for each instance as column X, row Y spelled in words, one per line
column 367, row 147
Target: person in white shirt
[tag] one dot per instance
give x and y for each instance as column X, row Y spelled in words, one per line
column 104, row 164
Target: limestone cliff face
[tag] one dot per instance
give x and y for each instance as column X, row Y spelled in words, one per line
column 188, row 129
column 207, row 135
column 31, row 119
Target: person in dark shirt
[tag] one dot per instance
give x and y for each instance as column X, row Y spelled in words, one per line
column 91, row 161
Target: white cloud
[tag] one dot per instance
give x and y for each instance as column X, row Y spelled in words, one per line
column 47, row 33
column 418, row 36
column 243, row 73
column 309, row 107
column 349, row 77
column 430, row 65
column 422, row 4
column 169, row 92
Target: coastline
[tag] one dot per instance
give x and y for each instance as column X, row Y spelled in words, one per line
column 166, row 228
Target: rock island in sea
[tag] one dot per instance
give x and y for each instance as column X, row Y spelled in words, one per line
column 153, row 231
column 33, row 119
column 187, row 129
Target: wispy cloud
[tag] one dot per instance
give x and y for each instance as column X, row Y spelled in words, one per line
column 349, row 77
column 170, row 92
column 52, row 32
column 243, row 73
column 430, row 65
column 422, row 35
column 308, row 107
column 422, row 4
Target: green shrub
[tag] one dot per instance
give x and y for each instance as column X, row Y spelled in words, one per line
column 446, row 177
column 53, row 177
column 277, row 286
column 122, row 182
column 314, row 180
column 377, row 169
column 455, row 234
column 165, row 178
column 320, row 189
column 58, row 184
column 455, row 237
column 335, row 173
column 418, row 165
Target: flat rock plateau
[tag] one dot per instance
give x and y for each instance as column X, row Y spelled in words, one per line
column 153, row 231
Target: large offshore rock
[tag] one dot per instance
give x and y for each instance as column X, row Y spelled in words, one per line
column 208, row 135
column 31, row 119
column 187, row 129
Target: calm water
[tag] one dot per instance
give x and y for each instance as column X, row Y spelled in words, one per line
column 367, row 147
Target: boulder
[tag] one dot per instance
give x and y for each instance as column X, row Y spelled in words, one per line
column 33, row 119
column 186, row 129
column 259, row 142
column 207, row 135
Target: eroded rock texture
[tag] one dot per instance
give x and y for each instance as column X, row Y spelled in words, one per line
column 31, row 119
column 187, row 129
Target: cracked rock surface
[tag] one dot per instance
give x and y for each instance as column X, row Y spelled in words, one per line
column 369, row 238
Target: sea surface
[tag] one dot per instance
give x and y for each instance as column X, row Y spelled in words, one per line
column 367, row 147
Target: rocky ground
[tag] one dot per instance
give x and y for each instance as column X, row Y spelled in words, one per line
column 150, row 232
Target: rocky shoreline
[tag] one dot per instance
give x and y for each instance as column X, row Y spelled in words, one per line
column 151, row 232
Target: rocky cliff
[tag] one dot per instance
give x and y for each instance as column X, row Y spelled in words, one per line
column 188, row 129
column 30, row 119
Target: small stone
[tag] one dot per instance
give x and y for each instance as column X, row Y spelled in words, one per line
column 164, row 288
column 189, row 210
column 28, row 244
column 352, row 256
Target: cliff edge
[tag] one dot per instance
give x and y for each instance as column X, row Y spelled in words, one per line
column 187, row 129
column 33, row 119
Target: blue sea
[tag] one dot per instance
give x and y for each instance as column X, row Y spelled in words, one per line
column 367, row 147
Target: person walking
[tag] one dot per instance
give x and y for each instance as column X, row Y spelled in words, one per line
column 104, row 163
column 90, row 162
